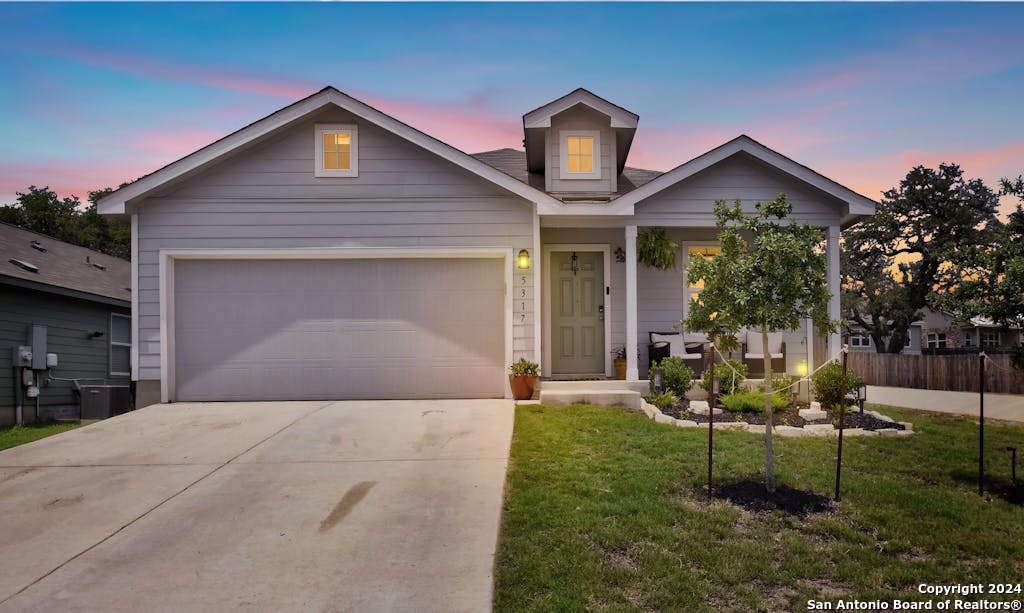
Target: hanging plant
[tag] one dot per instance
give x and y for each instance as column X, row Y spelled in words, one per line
column 655, row 249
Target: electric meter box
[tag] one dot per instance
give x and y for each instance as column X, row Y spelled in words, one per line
column 21, row 357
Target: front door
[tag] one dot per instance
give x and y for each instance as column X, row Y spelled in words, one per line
column 577, row 312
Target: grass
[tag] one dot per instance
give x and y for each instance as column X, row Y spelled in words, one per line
column 604, row 511
column 12, row 436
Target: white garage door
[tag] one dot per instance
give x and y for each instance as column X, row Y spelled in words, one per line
column 338, row 329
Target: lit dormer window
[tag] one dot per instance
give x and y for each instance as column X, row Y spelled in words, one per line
column 337, row 150
column 580, row 151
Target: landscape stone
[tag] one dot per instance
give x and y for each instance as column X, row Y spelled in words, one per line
column 904, row 432
column 790, row 431
column 812, row 414
column 700, row 407
column 661, row 418
column 907, row 425
column 820, row 428
column 815, row 405
column 730, row 425
column 755, row 428
column 887, row 432
column 686, row 423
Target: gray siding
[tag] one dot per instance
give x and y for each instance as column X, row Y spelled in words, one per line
column 691, row 201
column 580, row 118
column 69, row 322
column 267, row 197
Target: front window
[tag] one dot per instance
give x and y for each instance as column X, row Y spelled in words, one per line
column 693, row 288
column 581, row 151
column 989, row 339
column 120, row 345
column 337, row 153
column 936, row 341
column 968, row 339
column 859, row 339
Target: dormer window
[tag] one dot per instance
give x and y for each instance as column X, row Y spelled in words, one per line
column 581, row 154
column 337, row 150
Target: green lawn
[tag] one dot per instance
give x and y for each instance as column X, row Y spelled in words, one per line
column 604, row 511
column 12, row 436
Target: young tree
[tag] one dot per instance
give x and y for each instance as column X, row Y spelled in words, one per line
column 992, row 274
column 771, row 283
column 894, row 261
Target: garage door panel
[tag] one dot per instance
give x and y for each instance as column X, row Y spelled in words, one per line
column 323, row 329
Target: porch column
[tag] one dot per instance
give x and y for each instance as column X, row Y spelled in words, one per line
column 832, row 250
column 632, row 371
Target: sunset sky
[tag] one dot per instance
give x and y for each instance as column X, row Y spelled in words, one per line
column 97, row 94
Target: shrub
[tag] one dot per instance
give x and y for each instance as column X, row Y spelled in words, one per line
column 664, row 400
column 728, row 382
column 676, row 376
column 525, row 368
column 750, row 400
column 826, row 384
column 782, row 390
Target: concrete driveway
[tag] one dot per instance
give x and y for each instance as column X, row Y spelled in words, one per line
column 278, row 506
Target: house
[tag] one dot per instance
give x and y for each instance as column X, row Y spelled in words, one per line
column 81, row 298
column 329, row 250
column 937, row 330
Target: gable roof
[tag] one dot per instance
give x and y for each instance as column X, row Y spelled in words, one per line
column 537, row 121
column 61, row 265
column 513, row 163
column 117, row 202
column 857, row 204
column 540, row 117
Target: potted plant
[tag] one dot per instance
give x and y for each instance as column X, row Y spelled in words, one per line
column 620, row 363
column 523, row 379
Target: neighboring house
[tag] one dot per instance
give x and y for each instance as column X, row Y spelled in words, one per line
column 937, row 330
column 83, row 297
column 332, row 251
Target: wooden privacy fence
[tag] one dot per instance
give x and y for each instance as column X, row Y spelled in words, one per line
column 937, row 372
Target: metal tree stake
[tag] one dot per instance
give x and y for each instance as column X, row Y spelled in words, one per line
column 711, row 413
column 842, row 417
column 981, row 424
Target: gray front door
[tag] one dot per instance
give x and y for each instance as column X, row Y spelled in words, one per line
column 577, row 312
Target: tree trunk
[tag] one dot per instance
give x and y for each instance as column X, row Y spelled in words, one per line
column 769, row 452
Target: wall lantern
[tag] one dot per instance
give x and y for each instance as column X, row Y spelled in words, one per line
column 620, row 255
column 801, row 368
column 523, row 259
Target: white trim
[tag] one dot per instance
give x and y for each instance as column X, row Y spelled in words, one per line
column 632, row 307
column 541, row 117
column 167, row 258
column 834, row 308
column 318, row 143
column 116, row 203
column 135, row 297
column 546, row 250
column 685, row 246
column 111, row 343
column 538, row 269
column 563, row 153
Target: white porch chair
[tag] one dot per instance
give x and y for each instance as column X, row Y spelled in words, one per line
column 754, row 352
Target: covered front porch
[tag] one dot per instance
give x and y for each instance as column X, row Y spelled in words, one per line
column 598, row 300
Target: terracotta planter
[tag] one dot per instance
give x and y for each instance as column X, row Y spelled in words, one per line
column 522, row 386
column 620, row 370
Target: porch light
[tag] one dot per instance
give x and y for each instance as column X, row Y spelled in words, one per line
column 523, row 259
column 801, row 368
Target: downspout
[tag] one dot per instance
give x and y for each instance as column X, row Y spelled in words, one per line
column 19, row 417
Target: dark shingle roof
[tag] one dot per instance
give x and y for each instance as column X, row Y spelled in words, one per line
column 513, row 163
column 62, row 264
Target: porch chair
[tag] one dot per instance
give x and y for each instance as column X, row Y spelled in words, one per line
column 753, row 353
column 690, row 347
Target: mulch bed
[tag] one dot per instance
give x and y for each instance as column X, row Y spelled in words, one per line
column 786, row 417
column 753, row 496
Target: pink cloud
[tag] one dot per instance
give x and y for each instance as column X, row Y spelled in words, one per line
column 151, row 67
column 177, row 143
column 67, row 178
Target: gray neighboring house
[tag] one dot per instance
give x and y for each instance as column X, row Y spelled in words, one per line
column 83, row 297
column 330, row 251
column 938, row 330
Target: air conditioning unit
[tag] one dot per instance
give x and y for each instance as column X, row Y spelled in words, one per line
column 103, row 401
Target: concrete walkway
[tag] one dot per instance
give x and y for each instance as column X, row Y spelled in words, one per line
column 340, row 506
column 1008, row 407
